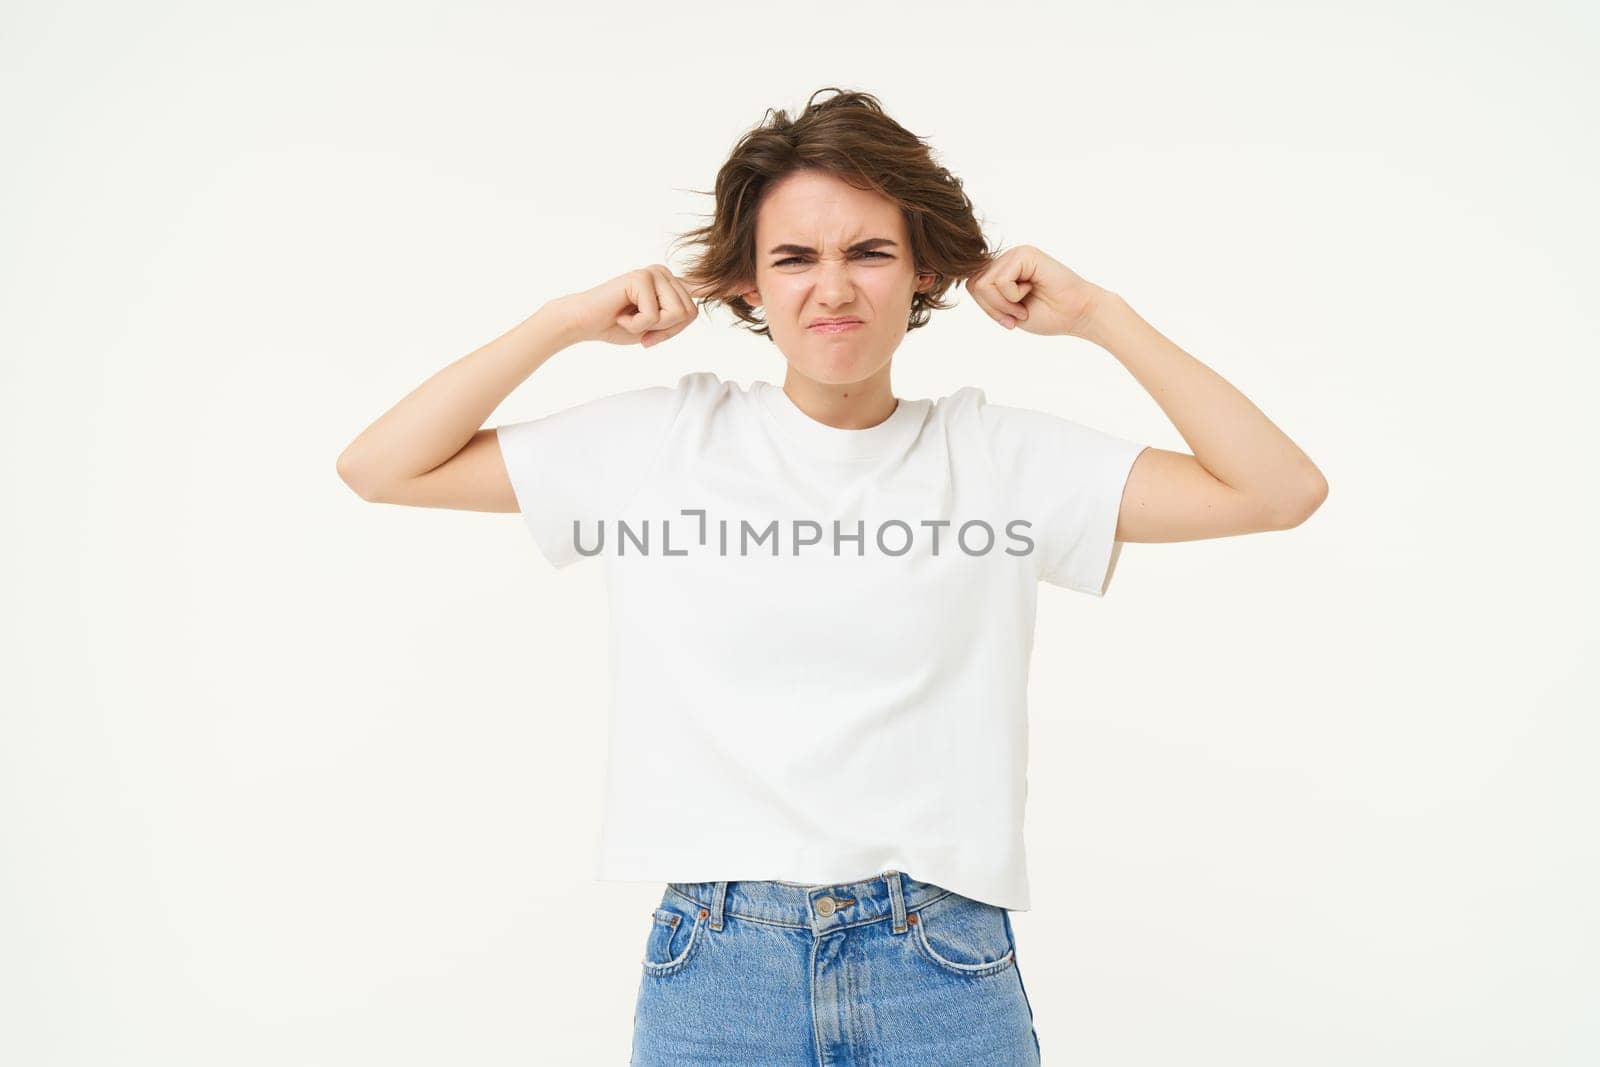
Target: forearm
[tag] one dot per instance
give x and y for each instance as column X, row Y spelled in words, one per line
column 436, row 419
column 1228, row 435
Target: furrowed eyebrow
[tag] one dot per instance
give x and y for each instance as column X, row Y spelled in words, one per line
column 860, row 246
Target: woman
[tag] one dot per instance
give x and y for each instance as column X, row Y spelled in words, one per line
column 822, row 596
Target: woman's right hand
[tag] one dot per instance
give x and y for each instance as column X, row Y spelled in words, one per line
column 647, row 305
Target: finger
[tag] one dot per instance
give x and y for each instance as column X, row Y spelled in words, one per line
column 1006, row 274
column 981, row 295
column 655, row 337
column 991, row 290
column 673, row 309
column 688, row 298
column 641, row 290
column 1013, row 283
column 1012, row 291
column 979, row 299
column 670, row 330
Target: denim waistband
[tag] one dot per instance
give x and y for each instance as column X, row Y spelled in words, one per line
column 818, row 907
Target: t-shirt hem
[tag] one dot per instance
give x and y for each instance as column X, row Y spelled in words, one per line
column 970, row 880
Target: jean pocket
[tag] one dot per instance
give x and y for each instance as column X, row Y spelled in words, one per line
column 963, row 936
column 677, row 929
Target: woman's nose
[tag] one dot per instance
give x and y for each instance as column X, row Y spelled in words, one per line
column 834, row 284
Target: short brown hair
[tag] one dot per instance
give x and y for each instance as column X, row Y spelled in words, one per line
column 850, row 136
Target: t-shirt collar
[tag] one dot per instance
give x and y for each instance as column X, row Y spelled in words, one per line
column 832, row 442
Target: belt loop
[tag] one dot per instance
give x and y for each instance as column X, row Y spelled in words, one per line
column 897, row 902
column 719, row 892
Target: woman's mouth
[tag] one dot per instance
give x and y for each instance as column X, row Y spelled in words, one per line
column 834, row 325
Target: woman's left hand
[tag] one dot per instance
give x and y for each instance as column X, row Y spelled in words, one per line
column 1042, row 295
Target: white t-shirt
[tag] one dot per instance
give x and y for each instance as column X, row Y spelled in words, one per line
column 820, row 637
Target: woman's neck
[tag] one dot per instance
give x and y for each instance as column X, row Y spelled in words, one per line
column 848, row 406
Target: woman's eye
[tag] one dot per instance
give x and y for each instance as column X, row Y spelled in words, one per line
column 797, row 259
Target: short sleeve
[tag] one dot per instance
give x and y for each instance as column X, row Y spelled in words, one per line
column 1067, row 480
column 582, row 464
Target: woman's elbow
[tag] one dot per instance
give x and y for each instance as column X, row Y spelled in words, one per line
column 1304, row 505
column 351, row 474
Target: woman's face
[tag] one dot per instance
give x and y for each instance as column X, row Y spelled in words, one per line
column 825, row 249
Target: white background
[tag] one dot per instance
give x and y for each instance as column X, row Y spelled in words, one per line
column 294, row 779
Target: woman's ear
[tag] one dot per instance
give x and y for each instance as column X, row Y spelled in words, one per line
column 925, row 281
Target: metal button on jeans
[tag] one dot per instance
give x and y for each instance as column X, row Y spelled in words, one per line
column 825, row 906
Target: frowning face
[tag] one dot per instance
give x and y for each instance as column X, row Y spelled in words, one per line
column 834, row 274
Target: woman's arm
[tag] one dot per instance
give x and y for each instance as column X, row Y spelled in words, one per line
column 429, row 450
column 437, row 419
column 1245, row 474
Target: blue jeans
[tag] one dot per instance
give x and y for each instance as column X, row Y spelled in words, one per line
column 888, row 971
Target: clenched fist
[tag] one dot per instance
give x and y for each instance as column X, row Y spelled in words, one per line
column 1025, row 287
column 647, row 305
